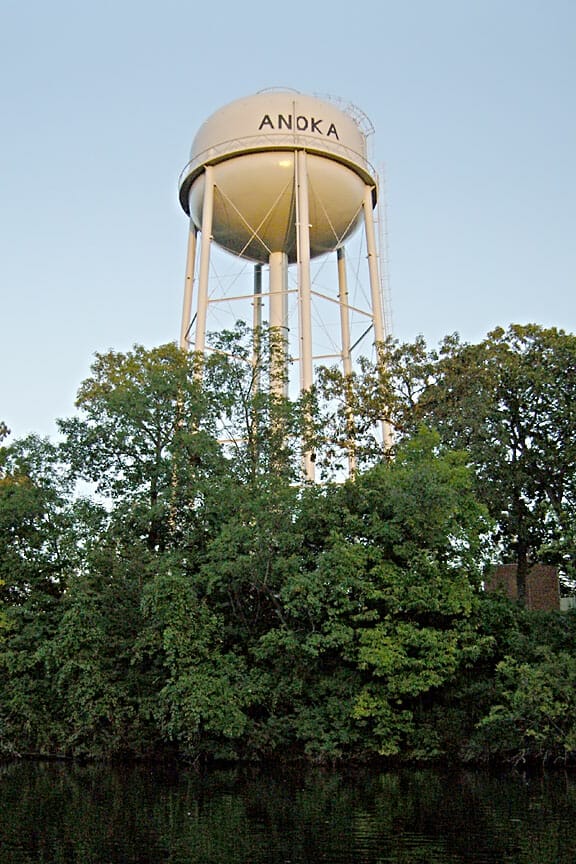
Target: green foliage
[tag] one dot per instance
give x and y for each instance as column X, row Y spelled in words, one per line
column 534, row 713
column 3, row 620
column 4, row 432
column 424, row 528
column 200, row 690
column 207, row 602
column 37, row 556
column 382, row 607
column 144, row 435
column 250, row 557
column 262, row 430
column 34, row 517
column 90, row 658
column 509, row 401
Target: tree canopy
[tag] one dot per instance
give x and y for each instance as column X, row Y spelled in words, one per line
column 171, row 585
column 509, row 403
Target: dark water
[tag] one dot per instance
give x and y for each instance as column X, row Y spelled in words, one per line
column 62, row 813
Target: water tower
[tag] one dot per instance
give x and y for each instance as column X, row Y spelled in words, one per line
column 278, row 179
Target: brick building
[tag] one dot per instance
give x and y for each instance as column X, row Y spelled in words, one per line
column 542, row 586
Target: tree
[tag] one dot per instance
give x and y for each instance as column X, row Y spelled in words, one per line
column 216, row 603
column 200, row 692
column 353, row 407
column 160, row 429
column 182, row 508
column 38, row 555
column 264, row 431
column 4, row 432
column 36, row 550
column 510, row 402
column 376, row 603
column 145, row 434
column 532, row 718
column 428, row 540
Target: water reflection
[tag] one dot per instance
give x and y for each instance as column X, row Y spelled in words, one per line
column 60, row 813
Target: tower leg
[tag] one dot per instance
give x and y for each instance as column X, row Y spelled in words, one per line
column 344, row 311
column 375, row 292
column 375, row 287
column 279, row 322
column 304, row 288
column 206, row 241
column 188, row 288
column 257, row 325
column 346, row 355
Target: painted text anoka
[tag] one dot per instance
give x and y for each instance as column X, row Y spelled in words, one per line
column 300, row 123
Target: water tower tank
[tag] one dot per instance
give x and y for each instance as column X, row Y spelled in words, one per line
column 279, row 178
column 251, row 144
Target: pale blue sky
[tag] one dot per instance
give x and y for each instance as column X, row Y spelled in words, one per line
column 473, row 103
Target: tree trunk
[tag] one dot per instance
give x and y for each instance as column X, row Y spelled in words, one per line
column 522, row 571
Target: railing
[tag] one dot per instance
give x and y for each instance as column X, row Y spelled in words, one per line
column 278, row 141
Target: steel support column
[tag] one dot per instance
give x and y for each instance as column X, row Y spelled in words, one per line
column 188, row 288
column 304, row 288
column 279, row 322
column 206, row 242
column 345, row 349
column 375, row 292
